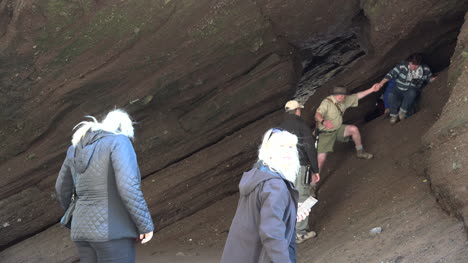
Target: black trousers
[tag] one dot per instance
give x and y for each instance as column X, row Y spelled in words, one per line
column 113, row 251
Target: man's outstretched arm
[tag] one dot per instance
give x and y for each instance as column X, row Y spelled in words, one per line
column 366, row 92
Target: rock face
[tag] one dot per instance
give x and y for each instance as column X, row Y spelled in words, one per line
column 203, row 80
column 447, row 141
column 190, row 73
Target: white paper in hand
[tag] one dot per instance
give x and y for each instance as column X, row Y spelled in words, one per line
column 306, row 205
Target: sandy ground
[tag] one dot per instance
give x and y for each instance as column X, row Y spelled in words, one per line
column 415, row 229
column 390, row 191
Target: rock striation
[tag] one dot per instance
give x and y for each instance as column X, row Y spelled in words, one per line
column 203, row 80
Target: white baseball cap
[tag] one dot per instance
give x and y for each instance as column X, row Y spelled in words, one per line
column 292, row 105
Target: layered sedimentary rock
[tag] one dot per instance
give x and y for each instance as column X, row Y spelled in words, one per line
column 190, row 73
column 447, row 141
column 203, row 80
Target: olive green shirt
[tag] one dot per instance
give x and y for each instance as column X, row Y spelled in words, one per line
column 330, row 112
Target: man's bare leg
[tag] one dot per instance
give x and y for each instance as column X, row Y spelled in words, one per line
column 353, row 131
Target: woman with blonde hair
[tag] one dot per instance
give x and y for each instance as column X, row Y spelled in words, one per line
column 263, row 228
column 102, row 173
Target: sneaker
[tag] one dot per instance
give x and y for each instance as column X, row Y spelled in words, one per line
column 393, row 120
column 303, row 237
column 364, row 155
column 401, row 115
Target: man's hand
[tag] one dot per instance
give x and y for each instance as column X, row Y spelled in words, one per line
column 315, row 178
column 303, row 215
column 376, row 87
column 328, row 124
column 146, row 237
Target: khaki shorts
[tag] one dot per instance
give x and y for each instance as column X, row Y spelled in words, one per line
column 327, row 139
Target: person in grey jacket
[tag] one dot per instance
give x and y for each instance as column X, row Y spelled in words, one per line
column 263, row 228
column 110, row 213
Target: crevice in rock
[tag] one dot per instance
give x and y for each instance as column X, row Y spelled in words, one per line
column 360, row 26
column 323, row 61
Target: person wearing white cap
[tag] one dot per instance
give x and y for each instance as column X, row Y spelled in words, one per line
column 294, row 124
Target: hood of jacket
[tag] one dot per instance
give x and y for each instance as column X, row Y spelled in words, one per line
column 85, row 149
column 255, row 176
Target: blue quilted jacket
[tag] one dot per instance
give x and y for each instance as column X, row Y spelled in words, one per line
column 110, row 204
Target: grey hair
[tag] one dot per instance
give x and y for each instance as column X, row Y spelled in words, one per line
column 269, row 149
column 116, row 121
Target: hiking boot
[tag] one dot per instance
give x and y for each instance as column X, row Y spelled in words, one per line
column 393, row 119
column 303, row 237
column 364, row 155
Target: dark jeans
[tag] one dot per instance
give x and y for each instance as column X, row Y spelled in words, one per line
column 388, row 89
column 115, row 251
column 401, row 100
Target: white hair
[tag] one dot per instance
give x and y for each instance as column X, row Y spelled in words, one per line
column 116, row 121
column 277, row 144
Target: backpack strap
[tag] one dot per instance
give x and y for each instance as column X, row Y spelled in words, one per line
column 336, row 105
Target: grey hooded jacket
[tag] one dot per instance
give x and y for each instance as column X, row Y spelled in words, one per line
column 263, row 229
column 110, row 204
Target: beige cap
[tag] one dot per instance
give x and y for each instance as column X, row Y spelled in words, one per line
column 292, row 105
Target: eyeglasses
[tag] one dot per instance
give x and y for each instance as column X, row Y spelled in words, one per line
column 275, row 130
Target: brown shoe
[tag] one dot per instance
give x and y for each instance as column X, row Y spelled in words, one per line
column 364, row 155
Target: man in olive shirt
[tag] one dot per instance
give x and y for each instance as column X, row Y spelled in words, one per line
column 329, row 117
